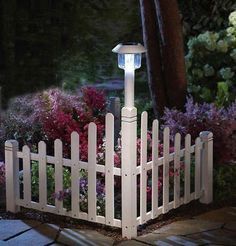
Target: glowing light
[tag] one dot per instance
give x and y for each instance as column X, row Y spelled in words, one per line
column 129, row 61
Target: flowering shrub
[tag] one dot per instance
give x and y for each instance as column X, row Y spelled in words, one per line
column 21, row 122
column 54, row 114
column 202, row 117
column 74, row 114
column 2, row 173
column 210, row 65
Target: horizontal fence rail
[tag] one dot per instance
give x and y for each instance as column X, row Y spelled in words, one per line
column 165, row 174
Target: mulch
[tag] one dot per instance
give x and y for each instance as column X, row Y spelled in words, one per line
column 184, row 212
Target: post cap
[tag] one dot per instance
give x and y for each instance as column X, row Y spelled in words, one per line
column 129, row 48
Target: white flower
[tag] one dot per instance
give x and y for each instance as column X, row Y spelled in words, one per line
column 208, row 70
column 209, row 39
column 233, row 54
column 232, row 18
column 226, row 73
column 222, row 46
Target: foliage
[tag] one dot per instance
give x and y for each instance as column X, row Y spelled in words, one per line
column 21, row 122
column 206, row 117
column 53, row 114
column 59, row 122
column 203, row 15
column 224, row 182
column 97, row 27
column 35, row 181
column 211, row 65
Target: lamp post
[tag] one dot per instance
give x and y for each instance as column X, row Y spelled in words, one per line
column 129, row 59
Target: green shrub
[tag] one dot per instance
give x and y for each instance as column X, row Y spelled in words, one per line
column 211, row 65
column 224, row 182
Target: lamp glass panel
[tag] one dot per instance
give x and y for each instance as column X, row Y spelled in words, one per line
column 129, row 61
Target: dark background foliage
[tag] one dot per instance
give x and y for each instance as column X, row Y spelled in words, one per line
column 50, row 42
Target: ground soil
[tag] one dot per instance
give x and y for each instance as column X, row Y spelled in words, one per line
column 184, row 212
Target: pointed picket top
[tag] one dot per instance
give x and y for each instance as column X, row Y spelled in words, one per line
column 187, row 171
column 26, row 174
column 188, row 137
column 109, row 117
column 42, row 145
column 143, row 163
column 166, row 131
column 26, row 148
column 75, row 140
column 155, row 123
column 92, row 126
column 74, row 135
column 177, row 136
column 58, row 142
column 42, row 150
column 177, row 147
column 92, row 153
column 198, row 140
column 155, row 139
column 166, row 152
column 144, row 114
column 155, row 153
column 109, row 169
column 197, row 167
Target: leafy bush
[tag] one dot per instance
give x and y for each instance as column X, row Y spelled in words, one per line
column 60, row 122
column 224, row 182
column 54, row 114
column 21, row 121
column 211, row 65
column 206, row 117
column 202, row 15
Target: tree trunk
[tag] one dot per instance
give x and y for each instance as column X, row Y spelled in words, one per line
column 151, row 42
column 172, row 50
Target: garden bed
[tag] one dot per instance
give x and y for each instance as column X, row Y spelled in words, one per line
column 184, row 212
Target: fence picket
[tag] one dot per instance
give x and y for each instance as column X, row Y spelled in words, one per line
column 58, row 173
column 143, row 176
column 155, row 143
column 187, row 160
column 177, row 170
column 75, row 178
column 197, row 167
column 42, row 175
column 109, row 165
column 166, row 155
column 26, row 174
column 92, row 154
column 203, row 184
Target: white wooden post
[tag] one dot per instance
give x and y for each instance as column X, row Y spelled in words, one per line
column 143, row 164
column 42, row 150
column 109, row 179
column 155, row 153
column 166, row 167
column 207, row 166
column 75, row 172
column 92, row 174
column 12, row 175
column 129, row 178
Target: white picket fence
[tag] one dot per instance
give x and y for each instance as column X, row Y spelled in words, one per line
column 201, row 151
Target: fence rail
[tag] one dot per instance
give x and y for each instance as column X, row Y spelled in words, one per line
column 179, row 188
